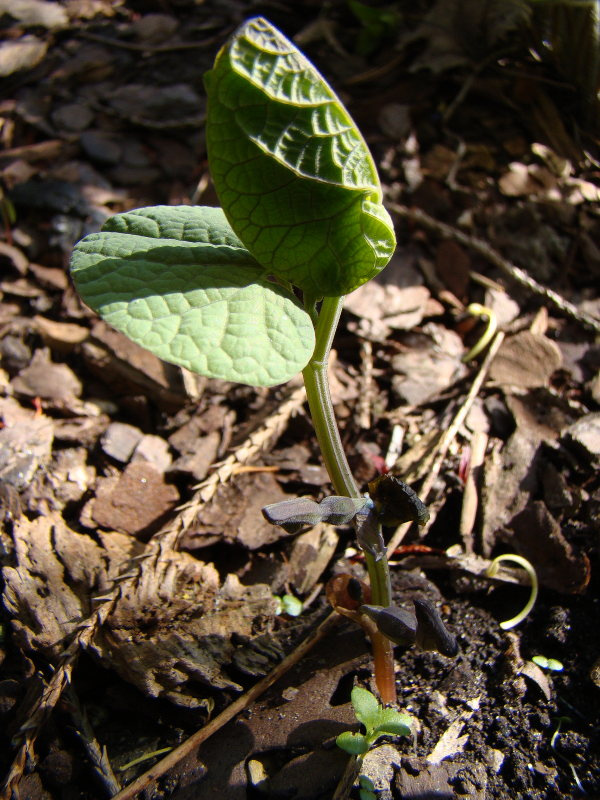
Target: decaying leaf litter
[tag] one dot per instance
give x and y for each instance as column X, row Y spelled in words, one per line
column 131, row 490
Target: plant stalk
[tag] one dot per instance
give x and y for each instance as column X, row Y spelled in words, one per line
column 316, row 381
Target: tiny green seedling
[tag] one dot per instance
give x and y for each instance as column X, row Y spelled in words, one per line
column 551, row 664
column 377, row 721
column 290, row 605
column 252, row 292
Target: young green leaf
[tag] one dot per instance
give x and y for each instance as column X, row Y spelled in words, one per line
column 354, row 743
column 393, row 722
column 178, row 281
column 292, row 171
column 366, row 707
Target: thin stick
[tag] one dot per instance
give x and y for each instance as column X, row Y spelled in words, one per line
column 449, row 435
column 493, row 256
column 184, row 749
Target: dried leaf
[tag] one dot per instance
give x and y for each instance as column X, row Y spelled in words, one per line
column 42, row 378
column 451, row 742
column 527, row 360
column 429, row 367
column 536, row 535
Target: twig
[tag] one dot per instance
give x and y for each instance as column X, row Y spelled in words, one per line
column 493, row 256
column 449, row 435
column 479, row 442
column 184, row 749
column 365, row 399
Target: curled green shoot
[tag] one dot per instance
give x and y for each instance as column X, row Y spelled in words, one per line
column 530, row 570
column 478, row 310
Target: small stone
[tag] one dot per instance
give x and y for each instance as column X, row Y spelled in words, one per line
column 198, row 462
column 120, row 440
column 155, row 450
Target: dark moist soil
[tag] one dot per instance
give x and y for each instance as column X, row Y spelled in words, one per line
column 523, row 738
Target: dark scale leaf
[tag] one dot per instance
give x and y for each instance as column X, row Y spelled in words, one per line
column 396, row 502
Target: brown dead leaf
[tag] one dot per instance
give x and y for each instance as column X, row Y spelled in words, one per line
column 431, row 365
column 396, row 300
column 17, row 257
column 235, row 513
column 510, row 477
column 45, row 379
column 310, row 555
column 35, row 13
column 129, row 369
column 583, row 436
column 451, row 741
column 25, row 445
column 460, row 31
column 171, row 626
column 62, row 337
column 536, row 535
column 526, row 360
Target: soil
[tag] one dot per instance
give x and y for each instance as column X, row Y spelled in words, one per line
column 139, row 580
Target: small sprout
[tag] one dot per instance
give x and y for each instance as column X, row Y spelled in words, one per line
column 548, row 663
column 396, row 502
column 291, row 605
column 528, row 567
column 288, row 604
column 478, row 310
column 377, row 720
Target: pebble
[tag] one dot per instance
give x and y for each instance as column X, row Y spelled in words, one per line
column 120, row 440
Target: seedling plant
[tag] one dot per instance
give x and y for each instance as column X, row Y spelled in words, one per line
column 252, row 291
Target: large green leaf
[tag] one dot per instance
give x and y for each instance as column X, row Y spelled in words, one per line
column 292, row 171
column 177, row 280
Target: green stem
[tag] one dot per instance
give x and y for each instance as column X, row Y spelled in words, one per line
column 326, row 429
column 319, row 400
